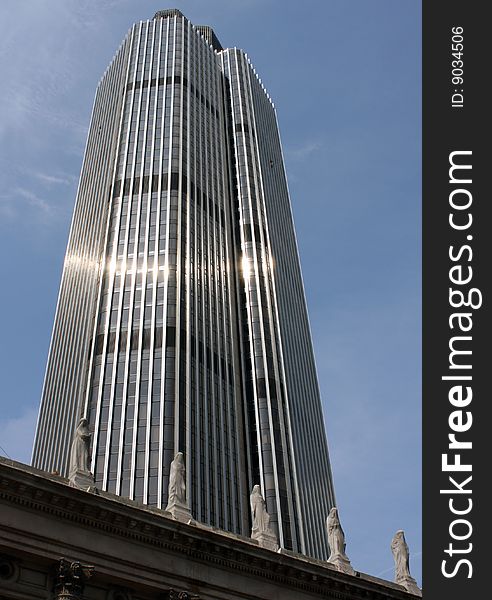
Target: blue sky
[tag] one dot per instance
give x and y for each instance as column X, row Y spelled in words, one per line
column 345, row 78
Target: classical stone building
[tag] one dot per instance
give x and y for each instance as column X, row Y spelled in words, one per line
column 61, row 543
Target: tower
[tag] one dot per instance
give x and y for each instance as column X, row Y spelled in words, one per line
column 181, row 322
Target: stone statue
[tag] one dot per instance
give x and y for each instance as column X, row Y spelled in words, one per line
column 336, row 541
column 401, row 555
column 176, row 501
column 80, row 475
column 79, row 455
column 177, row 485
column 259, row 514
column 336, row 537
column 261, row 531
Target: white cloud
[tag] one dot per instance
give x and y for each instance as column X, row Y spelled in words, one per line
column 23, row 202
column 43, row 48
column 54, row 179
column 304, row 151
column 17, row 435
column 33, row 199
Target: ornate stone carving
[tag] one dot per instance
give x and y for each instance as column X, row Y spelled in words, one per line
column 401, row 555
column 336, row 540
column 174, row 595
column 261, row 530
column 80, row 475
column 177, row 504
column 70, row 579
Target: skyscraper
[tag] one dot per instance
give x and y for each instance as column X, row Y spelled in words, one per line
column 181, row 322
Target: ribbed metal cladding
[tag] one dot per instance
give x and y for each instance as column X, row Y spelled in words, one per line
column 285, row 419
column 181, row 322
column 66, row 371
column 164, row 369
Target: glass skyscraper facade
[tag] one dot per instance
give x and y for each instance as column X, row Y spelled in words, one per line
column 181, row 322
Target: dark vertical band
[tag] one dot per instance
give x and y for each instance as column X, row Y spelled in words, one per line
column 456, row 315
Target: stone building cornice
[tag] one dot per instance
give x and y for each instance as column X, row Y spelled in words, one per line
column 49, row 495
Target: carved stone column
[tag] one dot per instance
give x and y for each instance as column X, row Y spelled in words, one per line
column 70, row 579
